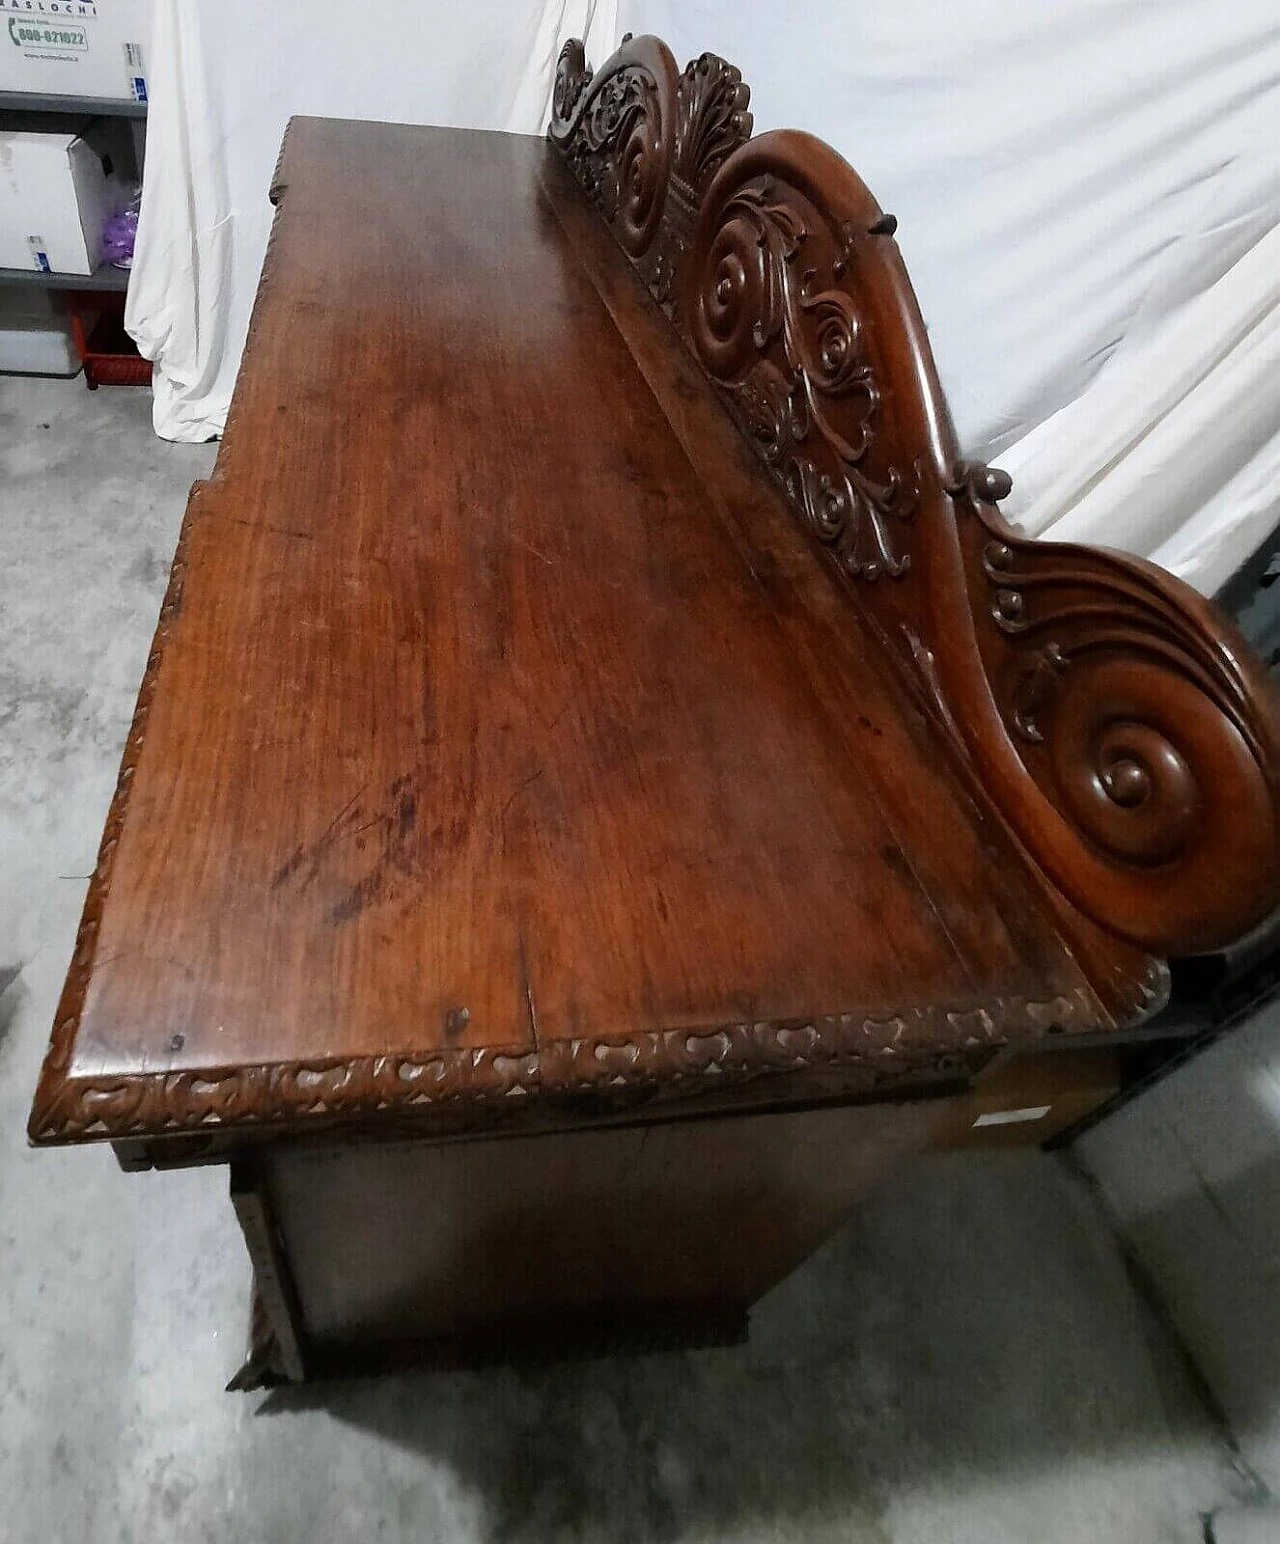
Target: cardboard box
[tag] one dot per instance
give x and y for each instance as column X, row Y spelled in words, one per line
column 79, row 48
column 1027, row 1100
column 56, row 193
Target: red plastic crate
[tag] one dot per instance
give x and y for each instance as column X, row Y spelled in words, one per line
column 109, row 355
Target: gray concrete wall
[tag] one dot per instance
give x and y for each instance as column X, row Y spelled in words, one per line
column 1192, row 1171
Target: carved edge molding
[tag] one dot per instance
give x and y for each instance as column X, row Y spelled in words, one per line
column 52, row 1090
column 1113, row 716
column 873, row 1054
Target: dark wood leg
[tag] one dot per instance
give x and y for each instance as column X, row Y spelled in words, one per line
column 275, row 1326
column 263, row 1365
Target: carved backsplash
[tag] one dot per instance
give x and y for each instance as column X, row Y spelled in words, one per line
column 1113, row 716
column 752, row 270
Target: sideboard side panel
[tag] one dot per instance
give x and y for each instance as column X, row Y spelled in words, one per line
column 414, row 1241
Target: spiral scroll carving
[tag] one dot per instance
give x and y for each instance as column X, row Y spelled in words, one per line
column 1111, row 715
column 615, row 128
column 1140, row 717
column 572, row 79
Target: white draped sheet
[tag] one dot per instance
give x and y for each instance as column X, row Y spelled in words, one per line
column 226, row 78
column 1088, row 197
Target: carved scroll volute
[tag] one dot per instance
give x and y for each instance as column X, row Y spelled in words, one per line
column 1134, row 713
column 1112, row 714
column 618, row 128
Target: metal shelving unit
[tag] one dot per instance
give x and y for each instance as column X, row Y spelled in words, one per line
column 108, row 279
column 96, row 107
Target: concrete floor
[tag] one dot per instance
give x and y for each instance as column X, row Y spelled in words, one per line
column 966, row 1362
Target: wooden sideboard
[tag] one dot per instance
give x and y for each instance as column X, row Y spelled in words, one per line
column 607, row 779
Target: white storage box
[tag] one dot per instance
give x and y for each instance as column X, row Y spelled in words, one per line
column 82, row 48
column 56, row 192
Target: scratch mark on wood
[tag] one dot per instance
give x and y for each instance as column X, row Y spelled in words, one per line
column 519, row 789
column 274, row 530
column 550, row 562
column 314, row 851
column 528, row 987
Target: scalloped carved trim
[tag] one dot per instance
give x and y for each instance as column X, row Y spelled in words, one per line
column 275, row 193
column 1111, row 714
column 53, row 1087
column 872, row 1053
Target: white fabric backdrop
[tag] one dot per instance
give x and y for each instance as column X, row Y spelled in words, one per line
column 225, row 80
column 1089, row 196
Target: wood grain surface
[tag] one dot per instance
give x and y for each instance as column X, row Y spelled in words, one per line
column 503, row 730
column 398, row 1242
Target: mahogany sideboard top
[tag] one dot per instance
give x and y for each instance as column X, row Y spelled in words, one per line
column 519, row 735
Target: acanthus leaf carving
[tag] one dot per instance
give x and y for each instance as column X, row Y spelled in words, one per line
column 772, row 319
column 571, row 80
